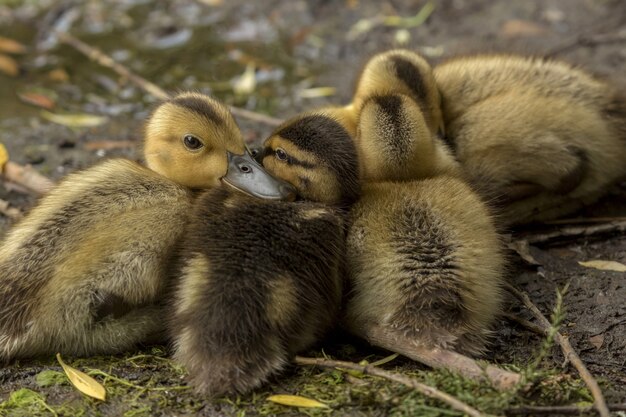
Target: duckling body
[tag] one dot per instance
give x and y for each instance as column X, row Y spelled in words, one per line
column 425, row 263
column 423, row 256
column 260, row 282
column 539, row 136
column 85, row 272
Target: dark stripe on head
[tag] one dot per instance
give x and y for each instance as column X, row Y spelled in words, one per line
column 397, row 136
column 410, row 75
column 200, row 107
column 332, row 145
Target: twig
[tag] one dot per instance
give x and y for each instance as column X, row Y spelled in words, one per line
column 525, row 323
column 28, row 177
column 587, row 41
column 391, row 376
column 585, row 220
column 11, row 212
column 568, row 351
column 441, row 358
column 574, row 232
column 558, row 409
column 103, row 59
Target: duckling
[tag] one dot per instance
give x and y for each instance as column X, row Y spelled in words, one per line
column 397, row 108
column 86, row 270
column 543, row 137
column 261, row 280
column 423, row 257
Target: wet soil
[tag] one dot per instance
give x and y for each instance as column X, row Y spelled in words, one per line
column 296, row 46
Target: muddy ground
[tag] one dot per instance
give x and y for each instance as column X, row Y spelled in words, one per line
column 295, row 47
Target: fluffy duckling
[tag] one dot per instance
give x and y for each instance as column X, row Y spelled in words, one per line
column 85, row 271
column 544, row 137
column 397, row 110
column 424, row 260
column 261, row 280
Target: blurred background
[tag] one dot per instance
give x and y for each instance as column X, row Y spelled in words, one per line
column 275, row 57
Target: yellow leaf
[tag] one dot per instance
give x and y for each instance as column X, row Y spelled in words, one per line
column 83, row 382
column 9, row 66
column 604, row 265
column 4, row 156
column 318, row 92
column 10, row 46
column 74, row 120
column 296, row 401
column 246, row 83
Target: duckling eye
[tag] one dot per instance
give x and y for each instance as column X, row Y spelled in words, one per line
column 192, row 142
column 281, row 154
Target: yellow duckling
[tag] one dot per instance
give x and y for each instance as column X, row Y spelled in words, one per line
column 261, row 280
column 545, row 137
column 395, row 116
column 424, row 260
column 86, row 270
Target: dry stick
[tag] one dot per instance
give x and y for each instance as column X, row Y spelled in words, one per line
column 568, row 351
column 525, row 323
column 575, row 231
column 558, row 409
column 11, row 212
column 441, row 358
column 103, row 59
column 28, row 177
column 391, row 376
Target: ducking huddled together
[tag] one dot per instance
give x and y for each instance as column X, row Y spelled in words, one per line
column 381, row 216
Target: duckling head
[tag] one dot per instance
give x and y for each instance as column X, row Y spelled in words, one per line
column 395, row 142
column 404, row 72
column 315, row 153
column 193, row 140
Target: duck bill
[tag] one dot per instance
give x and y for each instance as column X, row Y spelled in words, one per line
column 248, row 176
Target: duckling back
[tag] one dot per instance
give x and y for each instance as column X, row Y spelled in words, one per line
column 81, row 273
column 540, row 137
column 424, row 261
column 259, row 281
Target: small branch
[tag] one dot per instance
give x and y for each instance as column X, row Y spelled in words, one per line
column 568, row 351
column 585, row 220
column 28, row 177
column 574, row 232
column 103, row 59
column 391, row 376
column 525, row 323
column 441, row 358
column 557, row 409
column 11, row 212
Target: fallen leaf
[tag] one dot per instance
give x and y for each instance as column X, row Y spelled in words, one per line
column 9, row 66
column 4, row 156
column 59, row 75
column 597, row 340
column 37, row 99
column 318, row 92
column 83, row 382
column 522, row 248
column 515, row 27
column 246, row 83
column 11, row 46
column 385, row 360
column 74, row 120
column 604, row 265
column 296, row 401
column 109, row 144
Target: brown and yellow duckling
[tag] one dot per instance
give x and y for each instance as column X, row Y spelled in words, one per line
column 86, row 270
column 261, row 280
column 424, row 260
column 546, row 138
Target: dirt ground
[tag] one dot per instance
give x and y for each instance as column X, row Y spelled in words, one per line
column 296, row 47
